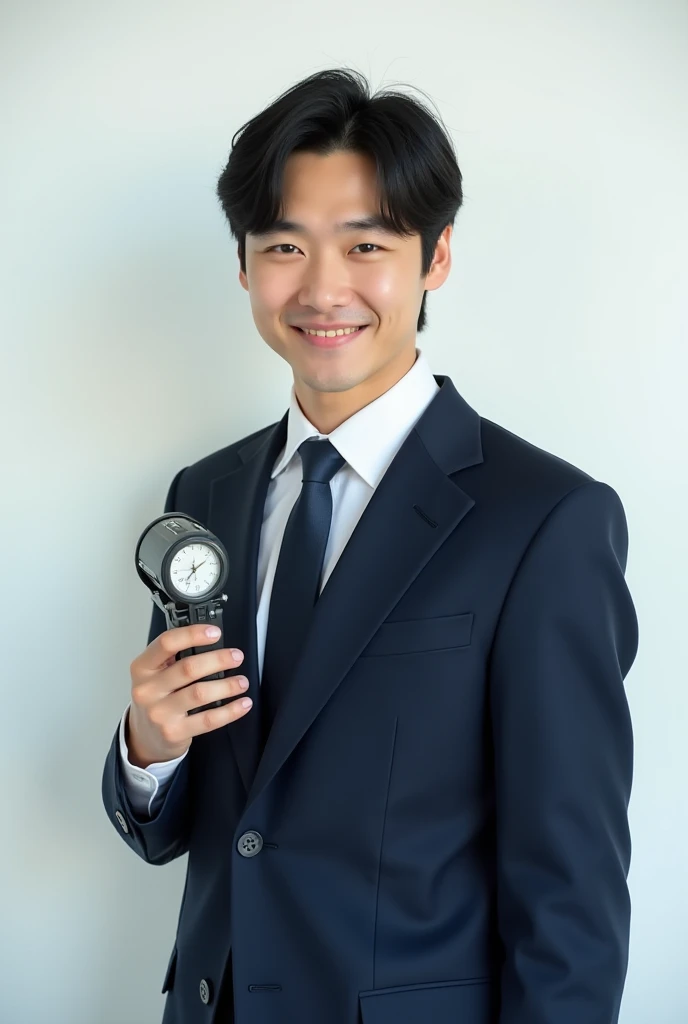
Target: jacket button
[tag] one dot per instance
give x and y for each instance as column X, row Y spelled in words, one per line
column 121, row 819
column 206, row 990
column 250, row 844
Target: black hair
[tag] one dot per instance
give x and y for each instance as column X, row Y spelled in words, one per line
column 417, row 172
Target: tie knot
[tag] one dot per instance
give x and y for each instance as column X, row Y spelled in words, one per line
column 320, row 460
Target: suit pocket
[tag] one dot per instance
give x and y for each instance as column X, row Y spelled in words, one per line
column 473, row 1001
column 169, row 973
column 408, row 636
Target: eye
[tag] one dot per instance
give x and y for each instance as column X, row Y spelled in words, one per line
column 288, row 245
column 281, row 246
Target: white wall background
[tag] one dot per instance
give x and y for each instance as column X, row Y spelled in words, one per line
column 564, row 318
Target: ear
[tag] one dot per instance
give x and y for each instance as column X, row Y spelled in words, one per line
column 243, row 280
column 441, row 261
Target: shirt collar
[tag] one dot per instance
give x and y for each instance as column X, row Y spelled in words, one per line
column 389, row 420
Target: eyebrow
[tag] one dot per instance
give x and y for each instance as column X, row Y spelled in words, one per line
column 372, row 223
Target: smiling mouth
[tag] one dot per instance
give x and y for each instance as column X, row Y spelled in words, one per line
column 322, row 341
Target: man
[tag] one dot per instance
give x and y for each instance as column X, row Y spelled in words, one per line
column 423, row 814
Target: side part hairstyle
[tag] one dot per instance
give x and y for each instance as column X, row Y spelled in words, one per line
column 419, row 181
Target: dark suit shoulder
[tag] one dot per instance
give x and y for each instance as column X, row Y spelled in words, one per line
column 224, row 459
column 524, row 468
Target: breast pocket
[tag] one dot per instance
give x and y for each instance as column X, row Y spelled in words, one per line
column 409, row 636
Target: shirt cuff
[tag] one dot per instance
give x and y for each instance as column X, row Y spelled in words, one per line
column 143, row 785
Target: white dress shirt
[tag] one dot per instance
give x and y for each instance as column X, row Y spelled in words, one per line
column 368, row 441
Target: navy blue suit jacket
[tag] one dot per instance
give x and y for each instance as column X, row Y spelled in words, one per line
column 437, row 827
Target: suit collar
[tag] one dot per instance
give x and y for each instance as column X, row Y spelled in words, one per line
column 388, row 419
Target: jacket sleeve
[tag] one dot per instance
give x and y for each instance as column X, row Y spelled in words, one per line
column 563, row 759
column 165, row 836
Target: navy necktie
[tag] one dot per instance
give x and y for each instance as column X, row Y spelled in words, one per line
column 296, row 586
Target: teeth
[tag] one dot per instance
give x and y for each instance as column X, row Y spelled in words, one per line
column 330, row 334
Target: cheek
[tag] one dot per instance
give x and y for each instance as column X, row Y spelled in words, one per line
column 385, row 286
column 269, row 292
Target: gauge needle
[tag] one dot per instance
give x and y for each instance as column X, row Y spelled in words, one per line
column 195, row 569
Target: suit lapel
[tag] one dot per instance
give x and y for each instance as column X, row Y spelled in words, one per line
column 235, row 515
column 410, row 515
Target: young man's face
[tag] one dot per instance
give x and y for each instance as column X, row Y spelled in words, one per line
column 320, row 275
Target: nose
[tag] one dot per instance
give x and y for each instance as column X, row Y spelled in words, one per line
column 325, row 284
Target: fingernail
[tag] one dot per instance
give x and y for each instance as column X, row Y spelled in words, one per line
column 237, row 655
column 212, row 631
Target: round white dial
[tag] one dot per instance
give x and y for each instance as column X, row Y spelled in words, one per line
column 195, row 569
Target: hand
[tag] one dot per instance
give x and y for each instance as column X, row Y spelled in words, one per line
column 164, row 689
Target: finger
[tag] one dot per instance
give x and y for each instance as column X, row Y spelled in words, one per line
column 162, row 650
column 191, row 668
column 177, row 725
column 213, row 718
column 209, row 691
